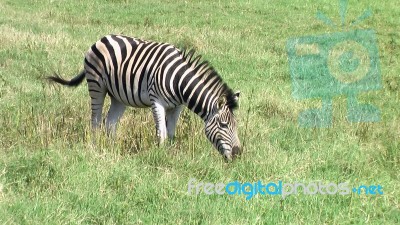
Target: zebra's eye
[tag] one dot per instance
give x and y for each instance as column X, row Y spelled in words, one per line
column 223, row 124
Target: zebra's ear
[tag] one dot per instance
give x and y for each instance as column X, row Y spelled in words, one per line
column 221, row 101
column 236, row 96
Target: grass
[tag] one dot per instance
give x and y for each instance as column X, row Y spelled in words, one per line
column 52, row 173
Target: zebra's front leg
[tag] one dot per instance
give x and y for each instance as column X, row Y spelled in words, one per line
column 159, row 118
column 172, row 116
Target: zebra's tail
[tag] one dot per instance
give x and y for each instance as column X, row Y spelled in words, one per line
column 72, row 83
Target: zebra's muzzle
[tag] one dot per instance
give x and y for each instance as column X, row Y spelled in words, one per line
column 236, row 151
column 231, row 155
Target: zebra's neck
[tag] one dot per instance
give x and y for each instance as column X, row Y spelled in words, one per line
column 201, row 90
column 202, row 98
column 194, row 83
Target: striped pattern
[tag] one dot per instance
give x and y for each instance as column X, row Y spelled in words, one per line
column 142, row 73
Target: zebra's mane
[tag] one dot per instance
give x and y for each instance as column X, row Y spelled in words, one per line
column 197, row 63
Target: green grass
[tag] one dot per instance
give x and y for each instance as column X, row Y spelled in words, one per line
column 52, row 173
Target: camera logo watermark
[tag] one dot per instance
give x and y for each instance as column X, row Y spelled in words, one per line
column 279, row 188
column 342, row 63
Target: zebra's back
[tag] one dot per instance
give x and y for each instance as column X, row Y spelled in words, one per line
column 126, row 67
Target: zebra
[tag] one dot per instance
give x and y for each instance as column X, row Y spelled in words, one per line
column 141, row 73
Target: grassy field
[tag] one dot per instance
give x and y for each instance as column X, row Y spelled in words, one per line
column 52, row 173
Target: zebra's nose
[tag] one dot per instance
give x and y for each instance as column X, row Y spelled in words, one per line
column 236, row 151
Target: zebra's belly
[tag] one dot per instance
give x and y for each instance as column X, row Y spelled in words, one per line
column 132, row 97
column 132, row 91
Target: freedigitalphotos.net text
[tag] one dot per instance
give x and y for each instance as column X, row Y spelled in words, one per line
column 279, row 188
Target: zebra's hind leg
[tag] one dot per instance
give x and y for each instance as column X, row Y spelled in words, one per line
column 172, row 116
column 115, row 112
column 97, row 95
column 97, row 103
column 159, row 118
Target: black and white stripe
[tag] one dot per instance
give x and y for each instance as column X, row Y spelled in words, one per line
column 142, row 73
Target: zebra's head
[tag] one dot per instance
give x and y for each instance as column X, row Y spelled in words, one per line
column 221, row 127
